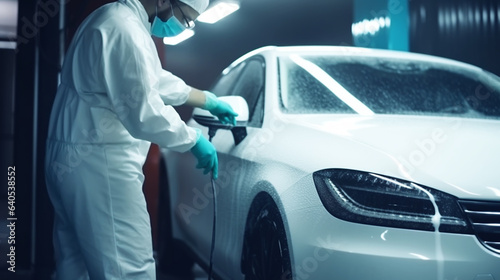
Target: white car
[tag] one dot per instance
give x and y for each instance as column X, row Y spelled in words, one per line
column 350, row 163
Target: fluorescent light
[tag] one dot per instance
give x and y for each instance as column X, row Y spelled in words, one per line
column 336, row 88
column 371, row 27
column 7, row 45
column 218, row 12
column 186, row 34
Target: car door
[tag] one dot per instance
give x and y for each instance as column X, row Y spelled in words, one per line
column 192, row 199
column 246, row 80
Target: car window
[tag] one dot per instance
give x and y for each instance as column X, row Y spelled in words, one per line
column 225, row 83
column 369, row 85
column 250, row 86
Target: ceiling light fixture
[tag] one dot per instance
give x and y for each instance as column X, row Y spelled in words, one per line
column 218, row 12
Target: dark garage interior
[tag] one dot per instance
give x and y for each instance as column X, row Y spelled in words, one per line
column 34, row 35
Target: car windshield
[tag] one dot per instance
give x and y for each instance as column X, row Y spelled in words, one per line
column 373, row 85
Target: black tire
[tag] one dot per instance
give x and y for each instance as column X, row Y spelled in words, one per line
column 265, row 250
column 172, row 257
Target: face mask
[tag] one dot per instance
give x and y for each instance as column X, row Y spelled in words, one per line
column 170, row 28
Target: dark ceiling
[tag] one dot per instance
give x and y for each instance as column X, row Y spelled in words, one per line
column 259, row 23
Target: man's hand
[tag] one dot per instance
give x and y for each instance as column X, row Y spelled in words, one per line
column 206, row 154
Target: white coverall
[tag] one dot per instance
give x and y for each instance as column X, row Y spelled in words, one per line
column 110, row 105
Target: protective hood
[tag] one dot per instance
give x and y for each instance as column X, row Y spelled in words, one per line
column 198, row 5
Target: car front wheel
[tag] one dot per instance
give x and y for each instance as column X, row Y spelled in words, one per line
column 265, row 251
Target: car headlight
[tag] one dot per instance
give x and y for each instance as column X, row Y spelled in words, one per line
column 375, row 199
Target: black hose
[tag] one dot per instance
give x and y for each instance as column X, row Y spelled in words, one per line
column 213, row 231
column 211, row 133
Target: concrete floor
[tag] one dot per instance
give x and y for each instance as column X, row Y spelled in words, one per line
column 198, row 273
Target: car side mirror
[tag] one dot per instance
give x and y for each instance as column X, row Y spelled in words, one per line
column 239, row 131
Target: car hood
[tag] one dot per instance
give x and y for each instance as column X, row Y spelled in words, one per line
column 456, row 155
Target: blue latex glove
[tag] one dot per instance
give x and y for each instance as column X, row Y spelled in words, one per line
column 220, row 109
column 206, row 154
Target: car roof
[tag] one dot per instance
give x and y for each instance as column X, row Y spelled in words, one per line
column 272, row 52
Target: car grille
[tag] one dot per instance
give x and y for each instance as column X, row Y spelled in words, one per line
column 485, row 220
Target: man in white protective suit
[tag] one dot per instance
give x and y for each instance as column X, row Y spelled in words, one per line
column 114, row 99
